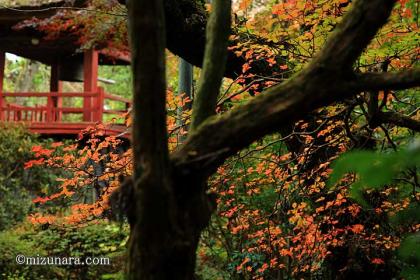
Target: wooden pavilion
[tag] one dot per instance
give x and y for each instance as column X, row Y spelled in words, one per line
column 67, row 64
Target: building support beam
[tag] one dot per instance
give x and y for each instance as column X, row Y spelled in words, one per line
column 56, row 86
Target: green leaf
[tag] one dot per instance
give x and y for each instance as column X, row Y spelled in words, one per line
column 373, row 170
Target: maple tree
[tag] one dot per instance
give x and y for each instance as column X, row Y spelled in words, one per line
column 94, row 166
column 305, row 68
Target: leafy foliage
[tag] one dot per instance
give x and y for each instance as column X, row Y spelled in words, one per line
column 374, row 170
column 100, row 239
column 17, row 185
column 409, row 252
column 10, row 246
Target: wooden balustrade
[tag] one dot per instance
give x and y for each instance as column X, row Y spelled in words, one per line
column 47, row 112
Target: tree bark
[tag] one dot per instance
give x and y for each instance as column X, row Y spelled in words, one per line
column 214, row 63
column 168, row 211
column 151, row 245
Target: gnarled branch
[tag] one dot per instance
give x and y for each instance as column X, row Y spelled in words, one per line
column 389, row 80
column 327, row 79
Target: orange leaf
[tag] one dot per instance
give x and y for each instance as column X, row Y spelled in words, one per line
column 377, row 261
column 358, row 228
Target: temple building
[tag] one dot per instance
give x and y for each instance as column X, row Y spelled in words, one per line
column 67, row 63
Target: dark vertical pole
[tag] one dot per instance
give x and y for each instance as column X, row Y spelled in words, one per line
column 185, row 80
column 90, row 78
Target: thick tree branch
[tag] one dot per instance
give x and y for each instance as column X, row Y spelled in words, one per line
column 223, row 136
column 186, row 36
column 354, row 33
column 391, row 81
column 399, row 120
column 189, row 21
column 328, row 78
column 214, row 63
column 192, row 29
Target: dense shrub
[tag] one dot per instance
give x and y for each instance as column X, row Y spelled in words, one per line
column 16, row 182
column 11, row 245
column 96, row 240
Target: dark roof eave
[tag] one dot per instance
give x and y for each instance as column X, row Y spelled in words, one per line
column 19, row 42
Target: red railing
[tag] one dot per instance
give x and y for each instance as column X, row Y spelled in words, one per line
column 51, row 110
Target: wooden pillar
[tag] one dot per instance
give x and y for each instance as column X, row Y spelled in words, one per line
column 99, row 105
column 2, row 69
column 90, row 78
column 56, row 86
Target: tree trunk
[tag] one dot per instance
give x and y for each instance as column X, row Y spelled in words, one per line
column 168, row 210
column 166, row 248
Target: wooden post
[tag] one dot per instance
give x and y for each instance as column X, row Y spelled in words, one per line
column 90, row 78
column 99, row 105
column 2, row 68
column 56, row 86
column 50, row 107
